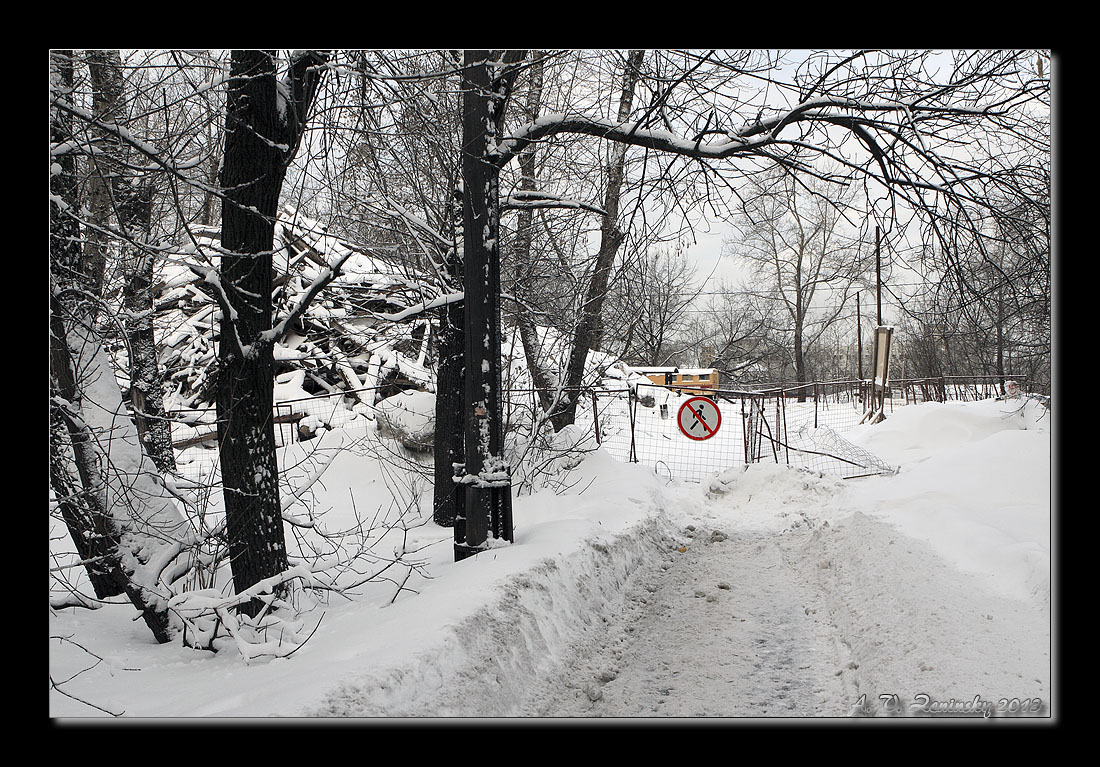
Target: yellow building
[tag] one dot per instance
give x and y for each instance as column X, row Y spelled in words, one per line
column 687, row 380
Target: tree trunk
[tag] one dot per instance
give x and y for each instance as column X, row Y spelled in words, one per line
column 448, row 446
column 799, row 356
column 586, row 335
column 124, row 520
column 545, row 383
column 87, row 523
column 115, row 515
column 84, row 517
column 1000, row 324
column 105, row 70
column 263, row 129
column 146, row 392
column 113, row 197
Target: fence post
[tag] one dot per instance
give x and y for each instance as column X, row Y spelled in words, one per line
column 631, row 407
column 744, row 431
column 782, row 427
column 596, row 418
column 815, row 404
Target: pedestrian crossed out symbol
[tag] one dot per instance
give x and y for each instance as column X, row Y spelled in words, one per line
column 699, row 418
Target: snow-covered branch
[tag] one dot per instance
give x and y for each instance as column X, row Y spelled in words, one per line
column 229, row 334
column 749, row 139
column 322, row 280
column 144, row 148
column 424, row 306
column 527, row 200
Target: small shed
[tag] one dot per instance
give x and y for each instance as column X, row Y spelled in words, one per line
column 687, row 380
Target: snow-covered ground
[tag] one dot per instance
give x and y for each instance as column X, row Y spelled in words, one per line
column 767, row 592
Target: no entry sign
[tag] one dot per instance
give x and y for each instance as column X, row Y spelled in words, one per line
column 699, row 418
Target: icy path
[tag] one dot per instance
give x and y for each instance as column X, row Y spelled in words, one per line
column 725, row 628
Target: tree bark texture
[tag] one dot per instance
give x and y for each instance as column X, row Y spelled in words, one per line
column 104, row 172
column 87, row 524
column 146, row 390
column 262, row 133
column 448, row 447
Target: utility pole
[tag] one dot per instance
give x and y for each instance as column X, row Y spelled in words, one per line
column 484, row 480
column 859, row 341
column 880, row 351
column 878, row 275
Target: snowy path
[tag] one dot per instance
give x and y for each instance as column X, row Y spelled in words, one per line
column 802, row 622
column 727, row 628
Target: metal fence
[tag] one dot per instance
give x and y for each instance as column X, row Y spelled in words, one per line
column 799, row 425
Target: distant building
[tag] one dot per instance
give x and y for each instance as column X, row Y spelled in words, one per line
column 686, row 380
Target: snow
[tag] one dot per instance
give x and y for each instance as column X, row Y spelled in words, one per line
column 766, row 592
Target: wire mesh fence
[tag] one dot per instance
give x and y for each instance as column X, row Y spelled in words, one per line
column 800, row 425
column 949, row 388
column 650, row 424
column 796, row 426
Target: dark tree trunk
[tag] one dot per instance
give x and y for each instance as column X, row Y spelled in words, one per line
column 261, row 138
column 146, row 392
column 448, row 446
column 105, row 74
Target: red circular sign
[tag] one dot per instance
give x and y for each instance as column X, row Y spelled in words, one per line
column 699, row 418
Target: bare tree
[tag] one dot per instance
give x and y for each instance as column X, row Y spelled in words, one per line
column 659, row 288
column 124, row 525
column 890, row 123
column 120, row 209
column 886, row 124
column 791, row 233
column 265, row 121
column 611, row 237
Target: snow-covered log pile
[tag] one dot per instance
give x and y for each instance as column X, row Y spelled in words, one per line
column 341, row 344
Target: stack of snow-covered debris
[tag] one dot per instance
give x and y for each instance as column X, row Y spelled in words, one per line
column 345, row 343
